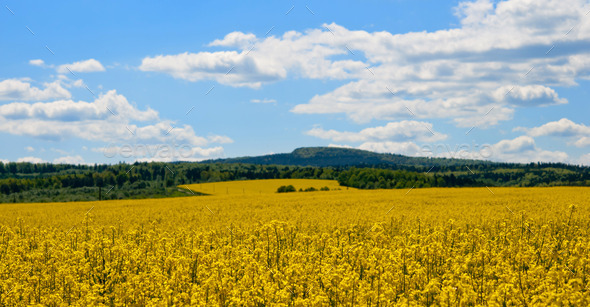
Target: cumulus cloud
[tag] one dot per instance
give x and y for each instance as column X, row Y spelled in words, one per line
column 90, row 65
column 31, row 160
column 523, row 149
column 69, row 160
column 219, row 139
column 366, row 100
column 562, row 127
column 69, row 110
column 160, row 152
column 578, row 134
column 226, row 67
column 78, row 83
column 515, row 146
column 70, row 83
column 582, row 142
column 501, row 56
column 192, row 154
column 520, row 150
column 110, row 118
column 402, row 148
column 472, row 13
column 263, row 100
column 532, row 95
column 37, row 62
column 14, row 89
column 257, row 61
column 393, row 131
column 454, row 74
column 236, row 39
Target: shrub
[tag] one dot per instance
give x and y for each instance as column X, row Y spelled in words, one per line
column 286, row 189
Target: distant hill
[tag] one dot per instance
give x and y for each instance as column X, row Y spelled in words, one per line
column 43, row 182
column 345, row 157
column 369, row 170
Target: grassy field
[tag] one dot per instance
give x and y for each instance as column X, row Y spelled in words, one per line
column 259, row 186
column 459, row 247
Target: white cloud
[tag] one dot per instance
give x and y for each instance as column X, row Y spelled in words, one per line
column 160, row 152
column 366, row 100
column 497, row 58
column 68, row 110
column 532, row 95
column 192, row 154
column 226, row 67
column 402, row 148
column 263, row 100
column 90, row 65
column 236, row 39
column 471, row 13
column 562, row 127
column 29, row 149
column 219, row 139
column 78, row 83
column 578, row 133
column 455, row 82
column 69, row 83
column 31, row 160
column 340, row 146
column 515, row 146
column 110, row 119
column 14, row 89
column 37, row 62
column 582, row 142
column 268, row 60
column 70, row 160
column 59, row 151
column 441, row 150
column 520, row 150
column 523, row 150
column 393, row 131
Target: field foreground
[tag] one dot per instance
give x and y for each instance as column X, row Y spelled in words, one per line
column 458, row 247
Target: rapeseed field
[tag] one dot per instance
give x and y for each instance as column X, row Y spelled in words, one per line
column 437, row 247
column 265, row 186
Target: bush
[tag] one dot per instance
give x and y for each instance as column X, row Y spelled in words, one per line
column 286, row 189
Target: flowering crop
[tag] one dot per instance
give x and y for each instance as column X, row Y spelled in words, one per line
column 264, row 186
column 456, row 247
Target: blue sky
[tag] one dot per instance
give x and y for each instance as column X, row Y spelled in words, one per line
column 87, row 82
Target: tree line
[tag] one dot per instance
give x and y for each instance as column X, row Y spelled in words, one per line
column 48, row 182
column 138, row 179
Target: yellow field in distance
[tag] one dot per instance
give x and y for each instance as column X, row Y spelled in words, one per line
column 264, row 186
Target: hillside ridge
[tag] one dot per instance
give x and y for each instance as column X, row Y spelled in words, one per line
column 339, row 156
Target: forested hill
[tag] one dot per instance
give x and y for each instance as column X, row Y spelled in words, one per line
column 27, row 182
column 338, row 157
